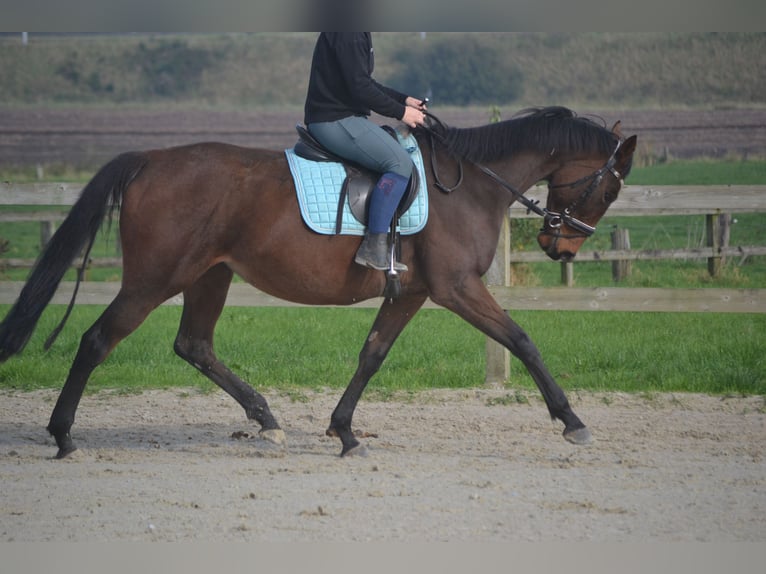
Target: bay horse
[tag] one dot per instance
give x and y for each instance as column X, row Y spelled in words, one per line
column 192, row 216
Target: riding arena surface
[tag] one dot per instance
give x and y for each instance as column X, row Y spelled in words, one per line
column 444, row 465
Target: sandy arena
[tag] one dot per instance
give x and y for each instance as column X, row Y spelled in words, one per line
column 442, row 466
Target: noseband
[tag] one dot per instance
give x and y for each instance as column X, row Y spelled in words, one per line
column 552, row 220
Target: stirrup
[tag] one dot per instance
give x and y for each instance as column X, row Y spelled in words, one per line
column 394, row 266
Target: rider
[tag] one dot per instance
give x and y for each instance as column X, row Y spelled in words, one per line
column 341, row 95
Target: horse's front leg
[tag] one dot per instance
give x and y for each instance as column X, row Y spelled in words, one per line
column 391, row 320
column 471, row 300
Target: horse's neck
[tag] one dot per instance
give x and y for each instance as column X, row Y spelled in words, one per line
column 523, row 170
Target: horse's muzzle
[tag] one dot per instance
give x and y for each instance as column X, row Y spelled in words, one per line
column 554, row 253
column 563, row 256
column 559, row 247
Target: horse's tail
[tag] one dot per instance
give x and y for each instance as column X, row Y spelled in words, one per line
column 102, row 194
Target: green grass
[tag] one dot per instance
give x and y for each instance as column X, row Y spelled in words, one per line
column 701, row 172
column 317, row 348
column 270, row 69
column 288, row 348
column 270, row 347
column 671, row 232
column 665, row 232
column 663, row 352
column 679, row 232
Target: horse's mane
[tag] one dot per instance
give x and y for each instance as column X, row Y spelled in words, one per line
column 533, row 129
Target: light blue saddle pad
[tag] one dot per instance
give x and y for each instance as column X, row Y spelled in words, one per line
column 318, row 185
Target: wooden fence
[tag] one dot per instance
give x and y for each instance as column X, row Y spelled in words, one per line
column 707, row 201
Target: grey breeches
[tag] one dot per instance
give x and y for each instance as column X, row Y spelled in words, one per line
column 364, row 142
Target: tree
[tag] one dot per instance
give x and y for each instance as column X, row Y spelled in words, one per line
column 171, row 69
column 458, row 71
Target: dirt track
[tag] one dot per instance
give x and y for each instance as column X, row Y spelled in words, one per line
column 446, row 465
column 88, row 138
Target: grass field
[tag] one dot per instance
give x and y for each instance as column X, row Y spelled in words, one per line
column 672, row 232
column 294, row 349
column 270, row 69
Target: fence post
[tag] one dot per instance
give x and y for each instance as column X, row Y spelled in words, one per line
column 717, row 231
column 46, row 232
column 620, row 242
column 498, row 358
column 567, row 273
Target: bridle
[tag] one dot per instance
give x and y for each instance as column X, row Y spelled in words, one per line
column 552, row 220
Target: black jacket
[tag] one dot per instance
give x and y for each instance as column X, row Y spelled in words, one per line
column 341, row 82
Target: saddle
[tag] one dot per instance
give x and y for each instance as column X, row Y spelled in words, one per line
column 359, row 181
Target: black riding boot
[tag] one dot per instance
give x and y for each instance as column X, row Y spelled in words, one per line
column 374, row 253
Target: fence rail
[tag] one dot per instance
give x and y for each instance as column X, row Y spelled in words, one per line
column 647, row 254
column 637, row 200
column 710, row 201
column 510, row 298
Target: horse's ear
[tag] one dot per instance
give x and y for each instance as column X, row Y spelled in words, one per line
column 627, row 148
column 616, row 129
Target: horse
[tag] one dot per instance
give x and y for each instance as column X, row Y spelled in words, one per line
column 192, row 216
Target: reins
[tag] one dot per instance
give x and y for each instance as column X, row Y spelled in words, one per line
column 434, row 166
column 552, row 219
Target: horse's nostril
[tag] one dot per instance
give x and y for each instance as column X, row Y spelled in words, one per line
column 553, row 254
column 556, row 255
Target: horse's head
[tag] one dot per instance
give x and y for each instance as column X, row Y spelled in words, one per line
column 583, row 162
column 579, row 193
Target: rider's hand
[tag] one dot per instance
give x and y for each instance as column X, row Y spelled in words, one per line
column 416, row 103
column 413, row 117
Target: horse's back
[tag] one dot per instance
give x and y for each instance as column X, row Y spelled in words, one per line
column 201, row 174
column 215, row 158
column 195, row 200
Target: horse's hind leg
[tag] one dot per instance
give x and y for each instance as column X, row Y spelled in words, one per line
column 203, row 303
column 120, row 319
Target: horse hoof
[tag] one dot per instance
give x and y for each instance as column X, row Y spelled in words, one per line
column 65, row 444
column 274, row 436
column 65, row 452
column 579, row 436
column 358, row 451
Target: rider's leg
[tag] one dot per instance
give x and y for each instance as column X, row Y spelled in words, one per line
column 374, row 252
column 364, row 142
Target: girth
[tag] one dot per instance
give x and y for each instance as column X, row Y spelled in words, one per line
column 359, row 182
